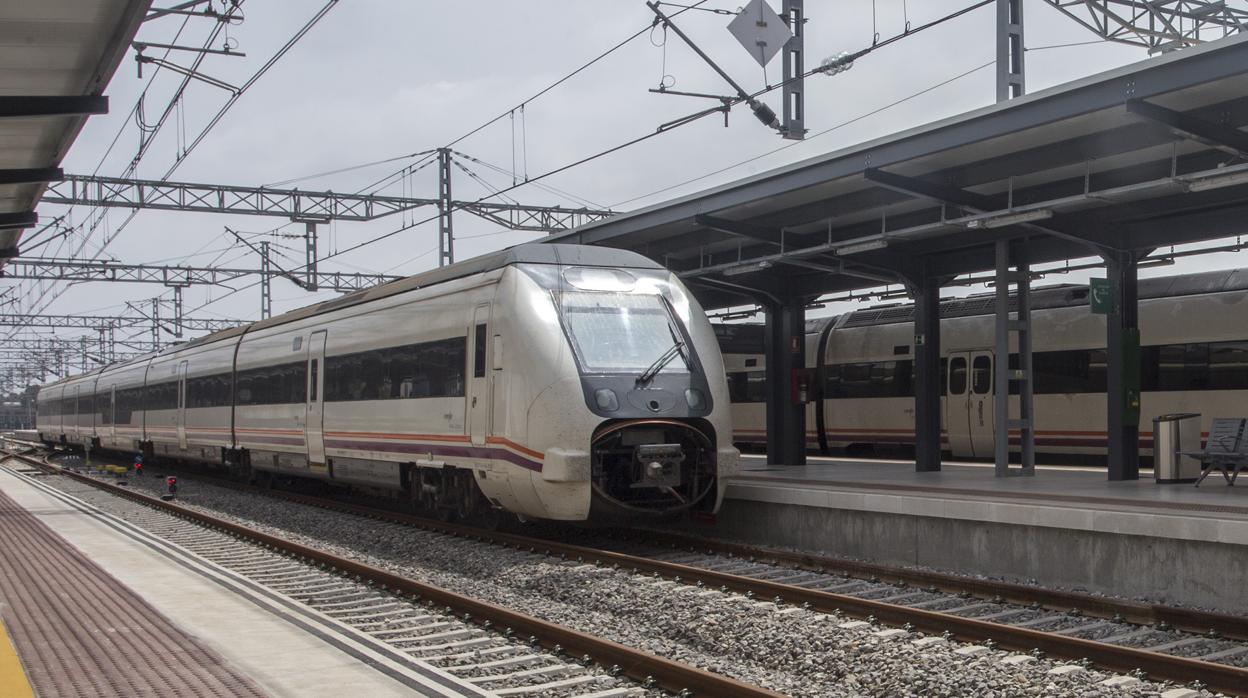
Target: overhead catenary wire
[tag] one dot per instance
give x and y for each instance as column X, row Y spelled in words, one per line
column 225, row 108
column 668, row 127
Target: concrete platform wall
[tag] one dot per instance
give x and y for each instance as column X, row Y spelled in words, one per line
column 1158, row 570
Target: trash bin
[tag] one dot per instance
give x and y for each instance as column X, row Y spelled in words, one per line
column 1173, row 435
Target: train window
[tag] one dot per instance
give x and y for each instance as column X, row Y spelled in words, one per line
column 429, row 369
column 312, row 373
column 751, row 362
column 478, row 351
column 981, row 375
column 870, row 379
column 283, row 384
column 1228, row 365
column 957, row 376
column 747, row 386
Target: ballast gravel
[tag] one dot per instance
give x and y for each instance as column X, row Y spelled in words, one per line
column 783, row 648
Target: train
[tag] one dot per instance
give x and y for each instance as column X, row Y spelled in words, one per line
column 550, row 381
column 860, row 370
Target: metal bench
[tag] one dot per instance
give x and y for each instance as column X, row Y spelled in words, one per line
column 1227, row 446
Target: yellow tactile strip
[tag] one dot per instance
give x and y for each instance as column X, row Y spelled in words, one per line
column 13, row 682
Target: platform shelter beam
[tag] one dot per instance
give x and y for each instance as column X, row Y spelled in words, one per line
column 784, row 351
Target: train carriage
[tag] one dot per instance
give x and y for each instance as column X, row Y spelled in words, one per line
column 1193, row 358
column 552, row 381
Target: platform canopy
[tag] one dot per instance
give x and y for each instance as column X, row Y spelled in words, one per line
column 1126, row 161
column 56, row 57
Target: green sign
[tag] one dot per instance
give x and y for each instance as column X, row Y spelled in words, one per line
column 1101, row 296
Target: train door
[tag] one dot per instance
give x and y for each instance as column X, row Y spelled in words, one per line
column 958, row 404
column 479, row 409
column 182, row 405
column 111, row 420
column 314, row 425
column 77, row 421
column 982, row 410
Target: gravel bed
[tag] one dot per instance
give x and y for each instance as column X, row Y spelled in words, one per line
column 511, row 663
column 787, row 649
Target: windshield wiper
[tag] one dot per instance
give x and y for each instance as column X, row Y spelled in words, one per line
column 677, row 349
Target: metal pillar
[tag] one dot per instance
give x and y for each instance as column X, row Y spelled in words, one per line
column 927, row 387
column 1123, row 369
column 1021, row 374
column 446, row 248
column 266, row 283
column 177, row 312
column 1010, row 61
column 785, row 338
column 156, row 322
column 794, row 110
column 310, row 250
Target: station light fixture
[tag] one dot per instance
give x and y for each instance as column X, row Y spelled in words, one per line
column 863, row 246
column 1218, row 181
column 1004, row 219
column 748, row 268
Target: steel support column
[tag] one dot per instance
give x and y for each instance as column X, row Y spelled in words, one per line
column 927, row 387
column 794, row 109
column 266, row 283
column 785, row 339
column 311, row 255
column 1010, row 66
column 446, row 244
column 1004, row 374
column 1123, row 368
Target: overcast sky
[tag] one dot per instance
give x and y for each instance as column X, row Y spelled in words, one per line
column 376, row 80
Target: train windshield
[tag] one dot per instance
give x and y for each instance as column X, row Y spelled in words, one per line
column 620, row 332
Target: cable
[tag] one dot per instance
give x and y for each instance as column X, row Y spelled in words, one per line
column 340, row 170
column 812, row 136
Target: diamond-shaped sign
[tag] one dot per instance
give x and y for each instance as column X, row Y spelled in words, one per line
column 760, row 30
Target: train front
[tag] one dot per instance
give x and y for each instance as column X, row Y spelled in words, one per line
column 640, row 416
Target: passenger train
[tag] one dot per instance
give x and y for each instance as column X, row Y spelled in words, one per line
column 860, row 367
column 551, row 381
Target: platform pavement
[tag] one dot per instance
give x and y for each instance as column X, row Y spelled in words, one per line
column 1067, row 527
column 284, row 650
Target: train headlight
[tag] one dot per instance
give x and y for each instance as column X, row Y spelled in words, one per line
column 695, row 399
column 606, row 399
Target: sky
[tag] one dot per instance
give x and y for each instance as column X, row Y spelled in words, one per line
column 376, row 80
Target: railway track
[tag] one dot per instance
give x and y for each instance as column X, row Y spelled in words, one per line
column 504, row 652
column 1161, row 643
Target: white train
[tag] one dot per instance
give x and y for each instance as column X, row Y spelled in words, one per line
column 551, row 381
column 1194, row 358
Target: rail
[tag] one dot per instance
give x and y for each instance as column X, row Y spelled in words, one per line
column 642, row 666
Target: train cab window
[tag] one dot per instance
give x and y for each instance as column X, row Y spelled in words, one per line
column 957, row 376
column 478, row 354
column 981, row 375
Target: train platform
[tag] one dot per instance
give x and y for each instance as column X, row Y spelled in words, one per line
column 94, row 606
column 1067, row 526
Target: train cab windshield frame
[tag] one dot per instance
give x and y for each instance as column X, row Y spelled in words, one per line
column 615, row 332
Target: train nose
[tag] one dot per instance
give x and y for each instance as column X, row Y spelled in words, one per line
column 652, row 466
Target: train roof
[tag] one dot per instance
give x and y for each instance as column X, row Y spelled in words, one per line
column 527, row 253
column 748, row 338
column 1059, row 296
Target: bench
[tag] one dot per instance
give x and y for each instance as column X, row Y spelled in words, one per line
column 1227, row 446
